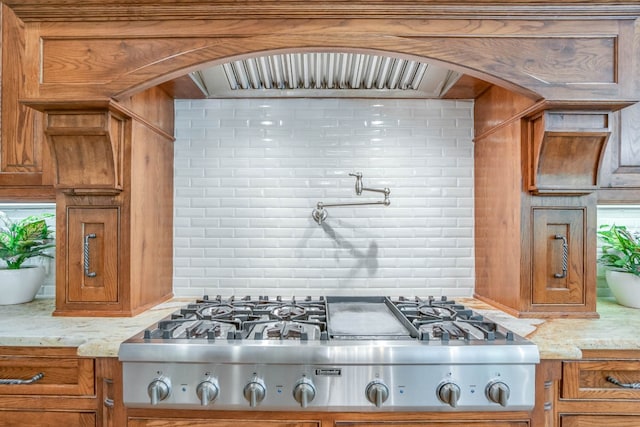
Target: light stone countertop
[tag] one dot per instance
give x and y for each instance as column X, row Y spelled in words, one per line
column 32, row 324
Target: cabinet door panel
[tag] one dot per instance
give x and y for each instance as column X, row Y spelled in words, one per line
column 599, row 421
column 93, row 241
column 46, row 419
column 161, row 422
column 558, row 256
column 587, row 379
column 61, row 376
column 496, row 423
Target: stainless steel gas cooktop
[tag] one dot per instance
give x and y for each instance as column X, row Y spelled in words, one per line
column 329, row 353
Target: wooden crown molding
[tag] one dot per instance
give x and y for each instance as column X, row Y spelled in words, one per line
column 99, row 10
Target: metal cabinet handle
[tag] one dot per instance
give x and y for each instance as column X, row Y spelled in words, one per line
column 613, row 380
column 87, row 256
column 33, row 379
column 565, row 256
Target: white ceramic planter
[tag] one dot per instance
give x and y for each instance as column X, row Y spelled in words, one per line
column 625, row 287
column 20, row 286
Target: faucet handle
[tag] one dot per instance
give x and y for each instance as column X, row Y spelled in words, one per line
column 359, row 185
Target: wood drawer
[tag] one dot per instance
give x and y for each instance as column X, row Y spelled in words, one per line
column 166, row 422
column 599, row 421
column 64, row 374
column 46, row 418
column 587, row 379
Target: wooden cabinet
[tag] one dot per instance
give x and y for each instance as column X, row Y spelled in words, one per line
column 620, row 170
column 495, row 423
column 39, row 418
column 25, row 163
column 114, row 204
column 166, row 422
column 275, row 419
column 558, row 258
column 599, row 421
column 58, row 389
column 535, row 212
column 588, row 395
column 92, row 254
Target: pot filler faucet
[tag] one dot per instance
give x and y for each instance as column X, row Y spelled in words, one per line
column 319, row 214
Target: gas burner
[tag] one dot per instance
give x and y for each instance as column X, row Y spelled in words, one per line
column 215, row 311
column 286, row 330
column 191, row 329
column 288, row 312
column 436, row 312
column 479, row 330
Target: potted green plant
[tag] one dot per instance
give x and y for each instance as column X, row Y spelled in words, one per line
column 621, row 258
column 21, row 240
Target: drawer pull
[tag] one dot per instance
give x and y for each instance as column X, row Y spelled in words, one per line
column 87, row 256
column 108, row 403
column 33, row 379
column 565, row 256
column 612, row 380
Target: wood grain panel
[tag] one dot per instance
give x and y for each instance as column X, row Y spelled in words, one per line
column 434, row 424
column 572, row 65
column 599, row 421
column 25, row 164
column 83, row 60
column 498, row 216
column 137, row 422
column 63, row 376
column 547, row 287
column 101, row 285
column 22, row 418
column 587, row 379
column 621, row 162
column 94, row 10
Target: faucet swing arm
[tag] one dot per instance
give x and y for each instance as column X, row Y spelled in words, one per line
column 319, row 214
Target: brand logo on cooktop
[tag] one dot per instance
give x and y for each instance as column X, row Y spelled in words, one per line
column 329, row 372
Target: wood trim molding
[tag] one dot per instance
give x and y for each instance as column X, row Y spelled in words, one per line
column 194, row 9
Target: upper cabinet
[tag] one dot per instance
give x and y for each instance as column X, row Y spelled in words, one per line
column 620, row 171
column 25, row 163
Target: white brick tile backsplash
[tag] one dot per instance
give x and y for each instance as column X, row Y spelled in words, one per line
column 249, row 173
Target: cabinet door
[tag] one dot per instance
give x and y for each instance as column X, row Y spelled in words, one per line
column 558, row 256
column 588, row 380
column 25, row 163
column 92, row 254
column 165, row 422
column 599, row 421
column 489, row 423
column 621, row 162
column 47, row 371
column 46, row 419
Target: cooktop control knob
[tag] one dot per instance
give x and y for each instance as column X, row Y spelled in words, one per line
column 159, row 389
column 449, row 393
column 207, row 391
column 377, row 392
column 498, row 392
column 255, row 391
column 304, row 391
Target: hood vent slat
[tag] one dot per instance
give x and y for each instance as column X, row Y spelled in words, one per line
column 324, row 71
column 318, row 73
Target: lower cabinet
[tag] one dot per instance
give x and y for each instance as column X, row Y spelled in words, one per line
column 601, row 389
column 327, row 420
column 53, row 387
column 147, row 422
column 599, row 421
column 46, row 418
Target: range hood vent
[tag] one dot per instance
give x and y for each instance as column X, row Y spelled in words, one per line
column 325, row 74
